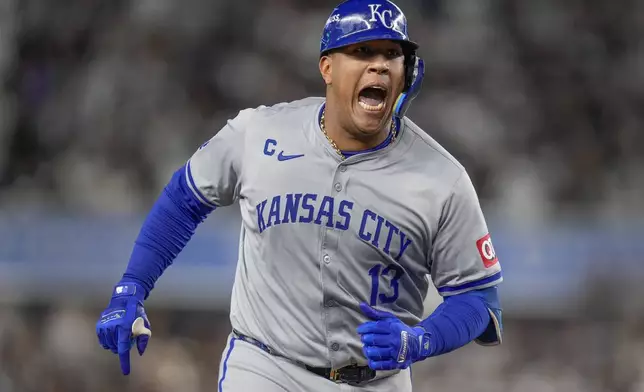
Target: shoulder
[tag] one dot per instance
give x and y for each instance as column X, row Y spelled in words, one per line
column 296, row 110
column 431, row 156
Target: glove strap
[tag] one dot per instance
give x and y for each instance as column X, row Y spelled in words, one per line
column 424, row 340
column 404, row 347
column 128, row 289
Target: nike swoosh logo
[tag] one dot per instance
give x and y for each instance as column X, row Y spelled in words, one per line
column 281, row 157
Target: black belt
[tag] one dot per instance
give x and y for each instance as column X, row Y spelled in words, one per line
column 352, row 374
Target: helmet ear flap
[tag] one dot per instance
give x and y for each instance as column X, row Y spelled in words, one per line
column 414, row 73
column 410, row 68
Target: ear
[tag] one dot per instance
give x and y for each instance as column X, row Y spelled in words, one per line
column 325, row 68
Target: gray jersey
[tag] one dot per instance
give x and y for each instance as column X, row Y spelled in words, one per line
column 320, row 235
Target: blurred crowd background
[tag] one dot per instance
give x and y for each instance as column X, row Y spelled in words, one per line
column 100, row 101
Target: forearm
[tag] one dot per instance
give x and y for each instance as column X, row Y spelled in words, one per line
column 457, row 321
column 167, row 229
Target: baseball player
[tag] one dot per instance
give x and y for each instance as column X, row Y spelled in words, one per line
column 348, row 210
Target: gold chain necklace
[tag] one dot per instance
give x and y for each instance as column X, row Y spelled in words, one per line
column 335, row 146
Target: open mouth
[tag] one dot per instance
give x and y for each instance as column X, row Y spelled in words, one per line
column 372, row 98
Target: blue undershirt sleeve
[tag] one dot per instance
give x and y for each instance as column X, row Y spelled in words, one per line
column 459, row 320
column 167, row 229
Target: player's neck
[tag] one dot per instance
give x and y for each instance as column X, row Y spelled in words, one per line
column 347, row 140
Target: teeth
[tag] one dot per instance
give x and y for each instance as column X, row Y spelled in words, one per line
column 370, row 107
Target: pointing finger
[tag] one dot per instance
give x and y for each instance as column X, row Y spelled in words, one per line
column 124, row 345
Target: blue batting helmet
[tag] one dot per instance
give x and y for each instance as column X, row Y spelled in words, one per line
column 355, row 21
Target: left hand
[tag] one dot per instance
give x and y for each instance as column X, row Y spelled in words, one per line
column 388, row 343
column 124, row 323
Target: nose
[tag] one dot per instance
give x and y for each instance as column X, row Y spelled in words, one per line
column 379, row 66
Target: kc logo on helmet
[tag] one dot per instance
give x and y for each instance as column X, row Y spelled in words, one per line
column 487, row 252
column 333, row 19
column 384, row 16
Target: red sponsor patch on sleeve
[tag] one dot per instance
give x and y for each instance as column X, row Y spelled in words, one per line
column 486, row 250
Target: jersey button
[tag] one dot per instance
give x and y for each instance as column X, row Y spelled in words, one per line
column 327, row 259
column 343, row 169
column 337, row 186
column 335, row 347
column 331, row 303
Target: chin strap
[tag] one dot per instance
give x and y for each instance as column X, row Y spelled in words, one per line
column 404, row 100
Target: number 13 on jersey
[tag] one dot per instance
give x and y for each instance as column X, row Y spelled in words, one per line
column 392, row 273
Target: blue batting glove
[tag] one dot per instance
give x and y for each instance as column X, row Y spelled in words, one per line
column 124, row 323
column 388, row 343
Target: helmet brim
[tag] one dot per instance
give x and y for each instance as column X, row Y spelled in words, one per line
column 407, row 45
